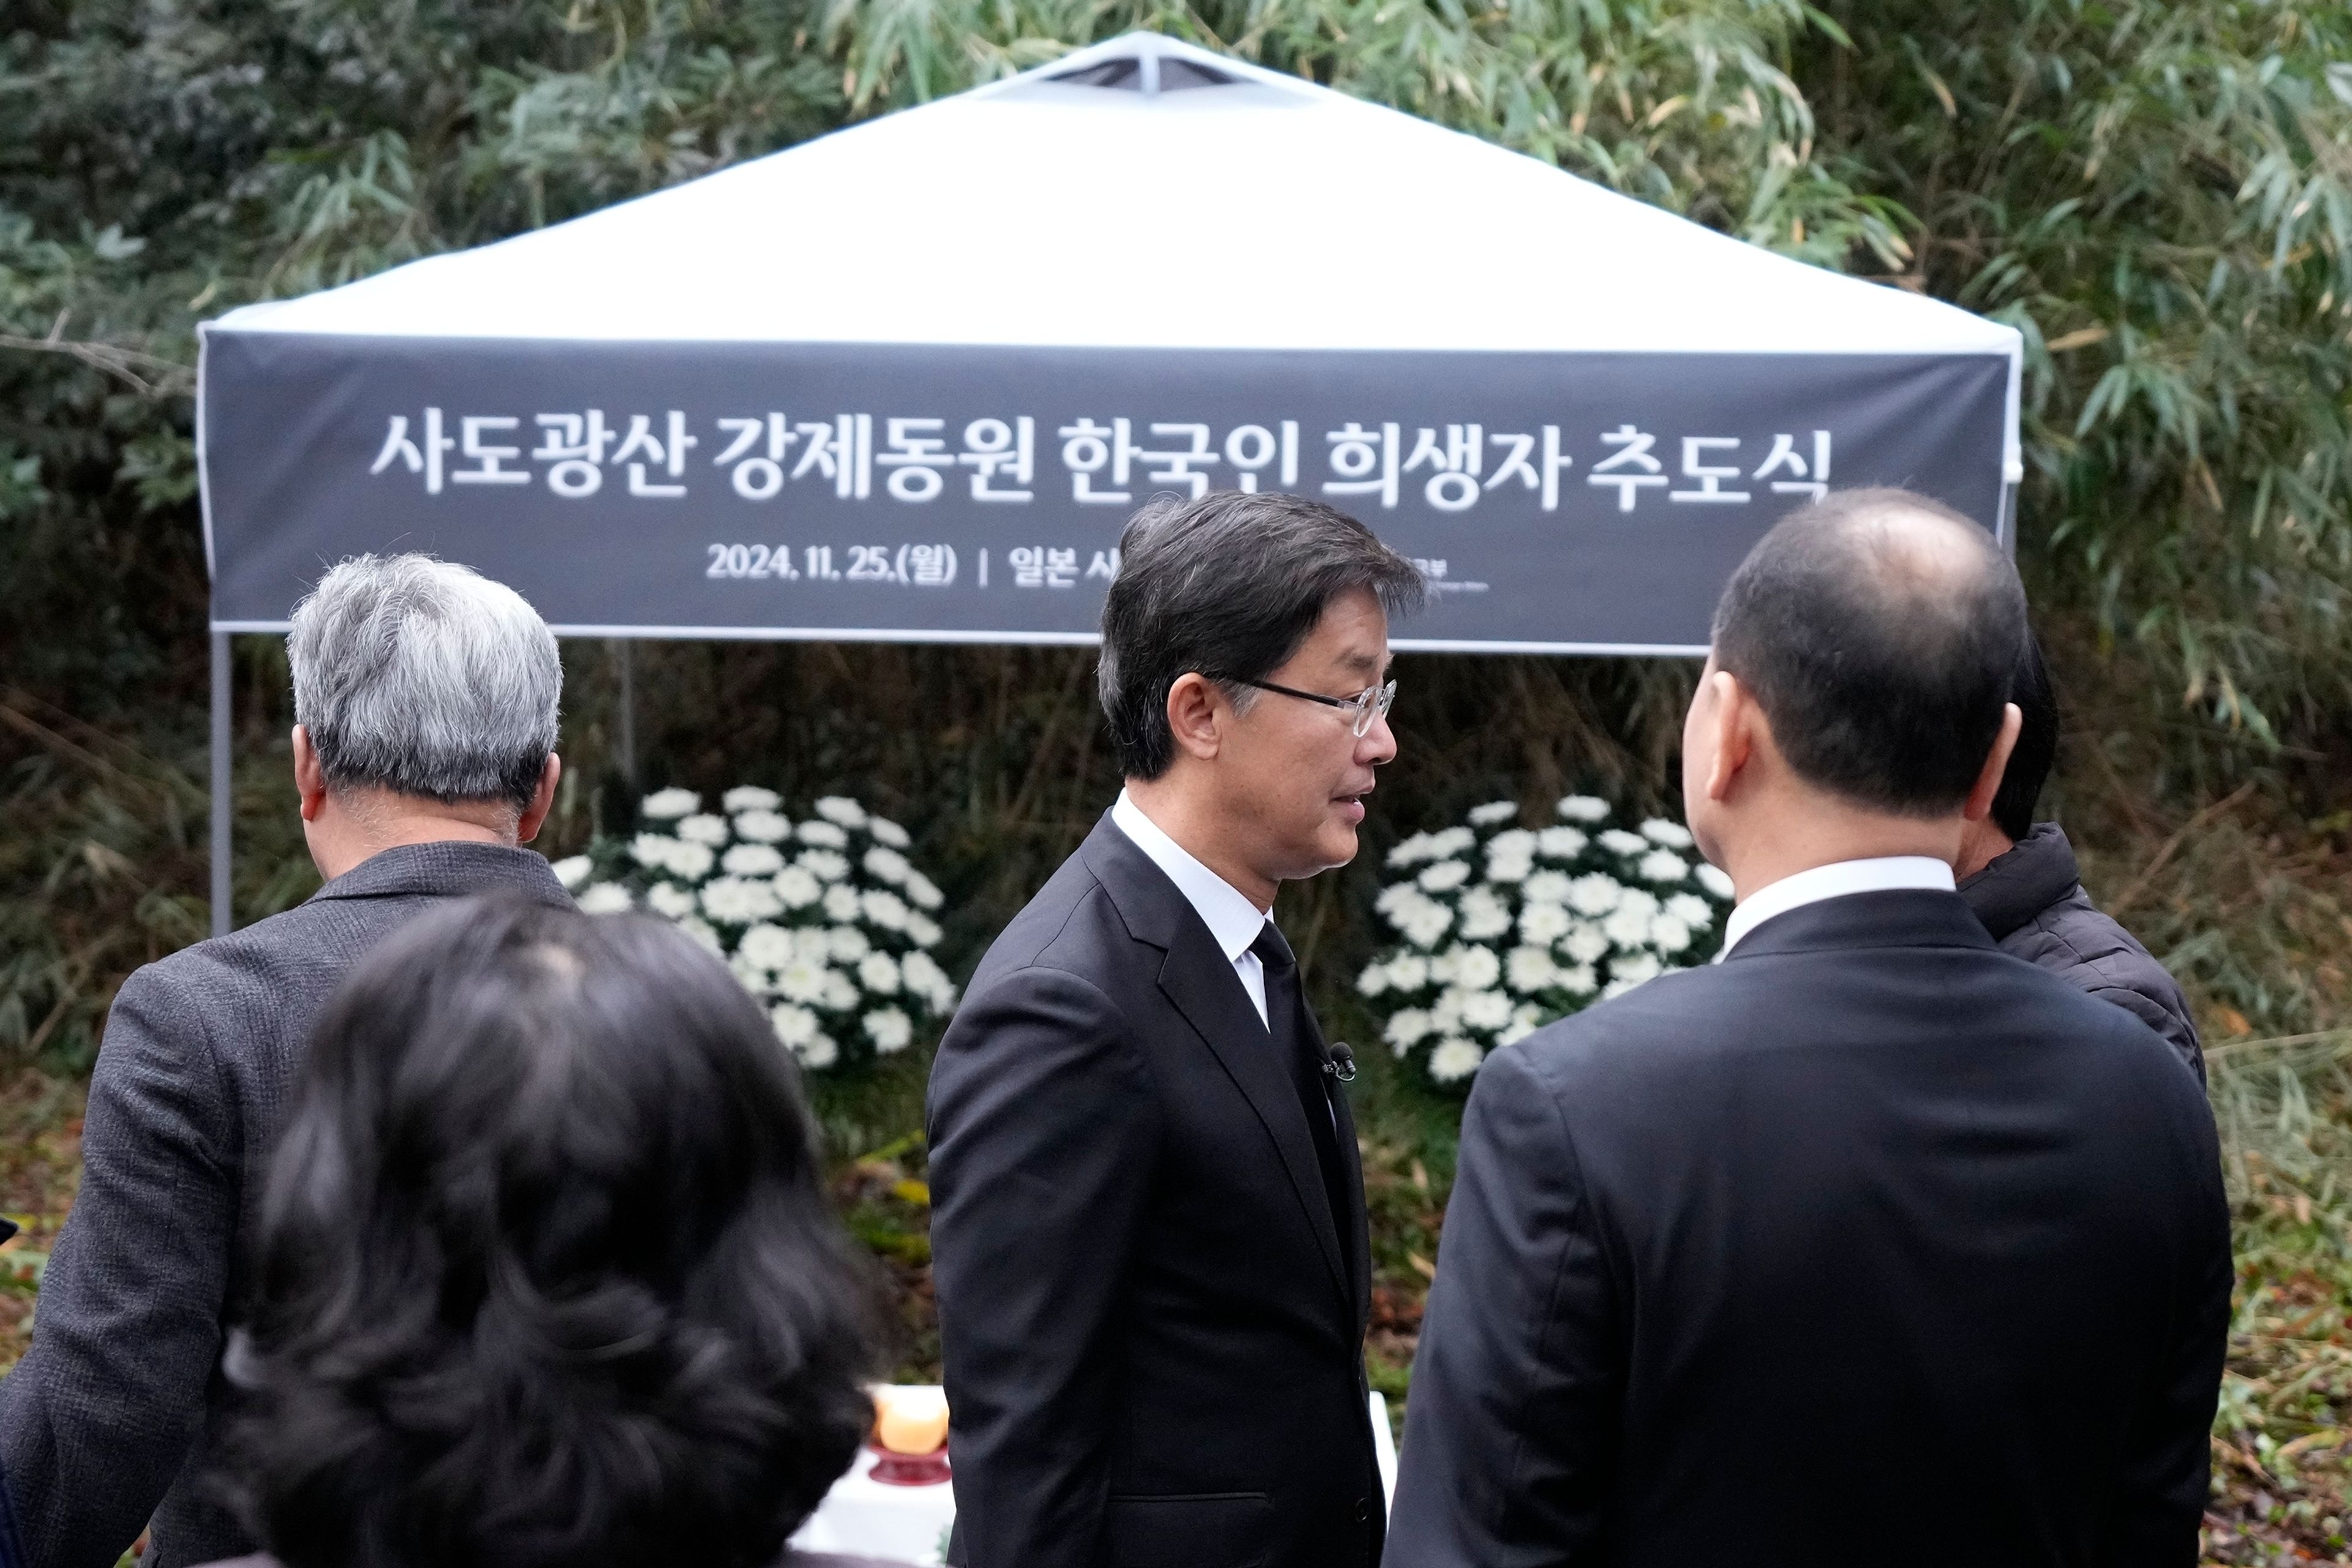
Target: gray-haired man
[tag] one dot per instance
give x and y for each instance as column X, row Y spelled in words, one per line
column 425, row 699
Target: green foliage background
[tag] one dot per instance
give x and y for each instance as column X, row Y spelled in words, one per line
column 2160, row 195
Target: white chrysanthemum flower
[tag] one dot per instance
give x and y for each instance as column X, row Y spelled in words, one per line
column 1515, row 1033
column 1427, row 926
column 879, row 972
column 1636, row 967
column 801, row 979
column 704, row 828
column 1373, row 980
column 1408, row 972
column 749, row 976
column 1476, row 968
column 670, row 901
column 840, row 808
column 795, row 1026
column 886, row 909
column 1406, row 1028
column 1586, row 944
column 748, row 797
column 1713, row 880
column 1443, row 877
column 824, row 865
column 1493, row 812
column 1548, row 888
column 923, row 929
column 846, row 943
column 1577, row 978
column 1672, row 835
column 818, row 1052
column 1668, row 934
column 1544, row 923
column 1530, row 969
column 737, row 902
column 751, row 860
column 841, row 905
column 841, row 993
column 1403, row 903
column 704, row 937
column 1445, row 1013
column 1511, row 841
column 604, row 899
column 922, row 893
column 797, row 887
column 1444, row 966
column 889, row 1029
column 1691, row 910
column 1452, row 841
column 652, row 849
column 1664, row 865
column 921, row 972
column 764, row 827
column 1484, row 915
column 1617, row 841
column 1582, row 808
column 691, row 862
column 823, row 834
column 769, row 946
column 1486, row 1009
column 573, row 870
column 1454, row 1060
column 1629, row 928
column 1640, row 899
column 1560, row 843
column 886, row 864
column 1595, row 893
column 1510, row 867
column 1417, row 848
column 665, row 804
column 886, row 831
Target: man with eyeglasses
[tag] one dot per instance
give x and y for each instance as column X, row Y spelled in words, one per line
column 1147, row 1226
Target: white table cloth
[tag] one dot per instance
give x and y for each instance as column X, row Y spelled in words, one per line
column 864, row 1518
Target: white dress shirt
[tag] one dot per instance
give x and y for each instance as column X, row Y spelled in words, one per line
column 1231, row 917
column 1834, row 881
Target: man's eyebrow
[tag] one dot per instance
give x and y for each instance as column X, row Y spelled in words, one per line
column 1358, row 659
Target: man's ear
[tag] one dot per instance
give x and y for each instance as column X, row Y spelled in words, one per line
column 1734, row 718
column 1978, row 805
column 1196, row 712
column 543, row 800
column 309, row 777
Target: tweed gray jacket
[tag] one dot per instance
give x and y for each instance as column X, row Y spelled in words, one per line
column 2032, row 902
column 109, row 1416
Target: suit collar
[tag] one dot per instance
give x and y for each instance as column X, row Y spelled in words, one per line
column 449, row 869
column 1835, row 880
column 1199, row 980
column 1224, row 908
column 1909, row 917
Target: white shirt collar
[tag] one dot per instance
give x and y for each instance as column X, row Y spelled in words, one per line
column 1835, row 880
column 1231, row 917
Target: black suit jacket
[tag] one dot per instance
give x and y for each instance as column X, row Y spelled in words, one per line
column 106, row 1419
column 1153, row 1334
column 1870, row 1245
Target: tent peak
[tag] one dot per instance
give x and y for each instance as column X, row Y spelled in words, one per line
column 1146, row 63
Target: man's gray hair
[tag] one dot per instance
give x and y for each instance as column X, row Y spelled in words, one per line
column 425, row 678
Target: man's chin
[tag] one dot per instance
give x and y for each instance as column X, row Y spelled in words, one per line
column 1338, row 845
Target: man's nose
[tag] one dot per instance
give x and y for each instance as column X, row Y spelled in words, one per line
column 1376, row 744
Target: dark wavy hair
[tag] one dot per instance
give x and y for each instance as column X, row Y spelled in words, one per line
column 546, row 1273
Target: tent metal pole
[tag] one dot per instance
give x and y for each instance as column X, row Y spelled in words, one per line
column 222, row 814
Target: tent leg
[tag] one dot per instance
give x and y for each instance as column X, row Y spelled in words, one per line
column 222, row 918
column 624, row 728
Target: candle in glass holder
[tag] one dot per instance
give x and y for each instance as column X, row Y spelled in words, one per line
column 910, row 1420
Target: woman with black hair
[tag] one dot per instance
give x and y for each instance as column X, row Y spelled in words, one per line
column 546, row 1274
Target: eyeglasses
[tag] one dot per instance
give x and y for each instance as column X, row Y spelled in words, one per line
column 1370, row 705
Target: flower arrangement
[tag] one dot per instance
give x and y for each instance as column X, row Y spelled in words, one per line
column 1506, row 928
column 825, row 919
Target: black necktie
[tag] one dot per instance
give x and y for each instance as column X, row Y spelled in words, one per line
column 1292, row 1044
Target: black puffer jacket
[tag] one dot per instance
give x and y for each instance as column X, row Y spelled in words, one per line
column 2032, row 902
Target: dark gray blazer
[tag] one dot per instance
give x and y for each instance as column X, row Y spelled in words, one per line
column 2032, row 902
column 1867, row 1244
column 106, row 1420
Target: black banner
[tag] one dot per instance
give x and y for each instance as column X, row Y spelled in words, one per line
column 1571, row 501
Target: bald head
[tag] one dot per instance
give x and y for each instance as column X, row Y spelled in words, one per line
column 1879, row 631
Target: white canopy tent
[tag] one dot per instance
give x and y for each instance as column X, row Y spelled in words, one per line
column 823, row 394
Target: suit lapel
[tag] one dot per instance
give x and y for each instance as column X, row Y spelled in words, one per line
column 1351, row 1162
column 1199, row 980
